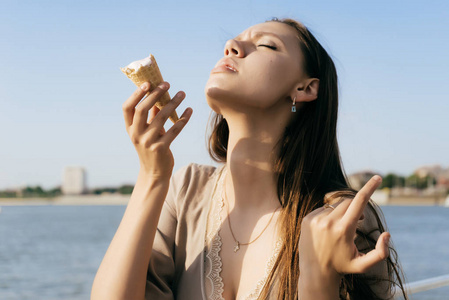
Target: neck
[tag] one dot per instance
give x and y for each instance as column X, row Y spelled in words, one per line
column 251, row 183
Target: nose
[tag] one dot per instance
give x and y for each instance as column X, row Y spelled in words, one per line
column 233, row 47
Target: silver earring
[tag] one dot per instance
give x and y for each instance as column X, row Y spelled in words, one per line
column 294, row 105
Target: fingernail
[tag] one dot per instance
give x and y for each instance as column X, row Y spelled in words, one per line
column 377, row 178
column 387, row 239
column 187, row 112
column 144, row 86
column 181, row 94
column 163, row 85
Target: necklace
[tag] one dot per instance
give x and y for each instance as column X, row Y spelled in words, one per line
column 238, row 244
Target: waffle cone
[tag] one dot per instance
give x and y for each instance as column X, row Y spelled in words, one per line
column 151, row 74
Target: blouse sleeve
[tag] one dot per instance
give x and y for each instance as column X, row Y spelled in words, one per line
column 161, row 268
column 369, row 226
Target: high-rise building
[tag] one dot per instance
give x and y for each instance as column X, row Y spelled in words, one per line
column 74, row 181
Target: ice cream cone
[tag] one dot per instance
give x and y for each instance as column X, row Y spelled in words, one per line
column 147, row 70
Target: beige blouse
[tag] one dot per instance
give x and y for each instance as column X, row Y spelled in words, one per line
column 185, row 261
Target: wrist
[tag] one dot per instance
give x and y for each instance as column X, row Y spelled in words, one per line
column 149, row 189
column 152, row 177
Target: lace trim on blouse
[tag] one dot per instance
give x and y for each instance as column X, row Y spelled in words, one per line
column 213, row 264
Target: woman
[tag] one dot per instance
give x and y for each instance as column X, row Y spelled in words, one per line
column 276, row 220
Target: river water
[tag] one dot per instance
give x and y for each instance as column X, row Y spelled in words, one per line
column 53, row 252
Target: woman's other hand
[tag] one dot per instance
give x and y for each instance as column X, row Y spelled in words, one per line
column 145, row 126
column 326, row 247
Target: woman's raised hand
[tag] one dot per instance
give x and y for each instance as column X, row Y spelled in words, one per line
column 326, row 247
column 145, row 126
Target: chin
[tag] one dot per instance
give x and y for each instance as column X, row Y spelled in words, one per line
column 222, row 90
column 212, row 96
column 213, row 86
column 220, row 94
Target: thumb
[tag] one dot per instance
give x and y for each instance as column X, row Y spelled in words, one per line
column 382, row 245
column 364, row 262
column 381, row 251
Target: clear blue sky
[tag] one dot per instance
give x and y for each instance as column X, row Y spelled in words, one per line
column 61, row 90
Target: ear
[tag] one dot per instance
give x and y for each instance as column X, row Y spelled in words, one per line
column 307, row 90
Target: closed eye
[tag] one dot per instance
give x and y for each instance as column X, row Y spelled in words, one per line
column 268, row 46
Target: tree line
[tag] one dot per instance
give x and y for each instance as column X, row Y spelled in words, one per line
column 392, row 180
column 39, row 192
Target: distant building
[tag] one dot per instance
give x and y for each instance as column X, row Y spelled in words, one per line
column 19, row 191
column 358, row 180
column 443, row 178
column 432, row 171
column 440, row 174
column 74, row 181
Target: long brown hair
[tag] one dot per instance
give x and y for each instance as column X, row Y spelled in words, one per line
column 308, row 167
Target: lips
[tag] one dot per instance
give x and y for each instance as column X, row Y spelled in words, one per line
column 225, row 65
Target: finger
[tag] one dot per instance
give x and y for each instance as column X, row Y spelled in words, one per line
column 343, row 207
column 129, row 105
column 340, row 208
column 153, row 112
column 167, row 110
column 358, row 204
column 141, row 115
column 173, row 132
column 364, row 262
column 318, row 211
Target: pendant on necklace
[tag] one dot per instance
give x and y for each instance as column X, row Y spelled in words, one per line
column 237, row 247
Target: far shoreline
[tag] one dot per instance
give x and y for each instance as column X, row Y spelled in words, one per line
column 119, row 199
column 104, row 199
